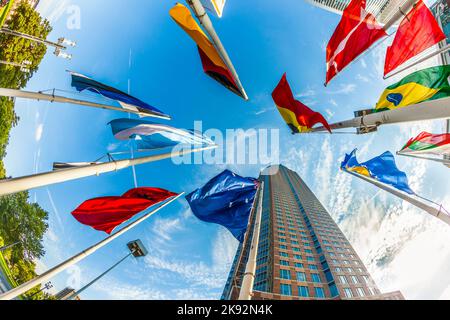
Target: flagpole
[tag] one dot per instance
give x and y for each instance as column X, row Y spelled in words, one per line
column 13, row 185
column 432, row 210
column 77, row 293
column 429, row 56
column 204, row 19
column 13, row 293
column 429, row 110
column 13, row 93
column 444, row 161
column 248, row 281
column 401, row 12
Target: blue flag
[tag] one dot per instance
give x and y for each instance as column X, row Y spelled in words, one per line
column 149, row 135
column 82, row 82
column 227, row 200
column 381, row 168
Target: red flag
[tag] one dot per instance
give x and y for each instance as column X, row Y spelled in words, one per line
column 355, row 33
column 106, row 213
column 417, row 32
column 218, row 73
column 298, row 117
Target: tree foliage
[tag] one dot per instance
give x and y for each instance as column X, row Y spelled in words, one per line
column 15, row 49
column 20, row 220
column 25, row 222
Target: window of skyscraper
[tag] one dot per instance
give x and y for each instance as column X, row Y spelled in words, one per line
column 315, row 277
column 286, row 289
column 360, row 292
column 342, row 279
column 303, row 291
column 348, row 292
column 319, row 292
column 301, row 276
column 285, row 274
column 298, row 265
column 284, row 262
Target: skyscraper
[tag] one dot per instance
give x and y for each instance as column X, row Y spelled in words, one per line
column 382, row 9
column 302, row 253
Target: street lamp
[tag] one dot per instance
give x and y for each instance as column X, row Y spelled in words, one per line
column 137, row 250
column 47, row 286
column 59, row 46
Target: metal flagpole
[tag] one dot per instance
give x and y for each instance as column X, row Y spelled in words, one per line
column 13, row 93
column 13, row 293
column 14, row 185
column 250, row 270
column 432, row 210
column 401, row 12
column 444, row 161
column 204, row 19
column 429, row 56
column 429, row 110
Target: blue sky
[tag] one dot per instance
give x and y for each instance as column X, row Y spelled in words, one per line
column 403, row 248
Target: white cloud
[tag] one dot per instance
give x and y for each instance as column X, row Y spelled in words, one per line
column 363, row 63
column 309, row 92
column 163, row 228
column 200, row 274
column 362, row 78
column 39, row 131
column 121, row 291
column 344, row 89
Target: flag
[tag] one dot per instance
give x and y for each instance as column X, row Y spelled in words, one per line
column 213, row 64
column 298, row 117
column 217, row 6
column 81, row 83
column 106, row 213
column 355, row 33
column 227, row 199
column 420, row 86
column 427, row 143
column 417, row 32
column 381, row 168
column 149, row 135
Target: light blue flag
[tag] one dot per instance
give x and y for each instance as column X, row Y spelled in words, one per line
column 149, row 135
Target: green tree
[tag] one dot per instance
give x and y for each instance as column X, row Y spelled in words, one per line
column 25, row 222
column 16, row 49
column 20, row 220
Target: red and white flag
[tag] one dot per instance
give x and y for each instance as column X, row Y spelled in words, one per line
column 417, row 32
column 355, row 33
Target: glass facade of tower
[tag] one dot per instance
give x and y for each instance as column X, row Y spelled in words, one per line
column 302, row 253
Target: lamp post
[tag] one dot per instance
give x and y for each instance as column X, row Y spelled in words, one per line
column 59, row 46
column 23, row 65
column 137, row 250
column 47, row 286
